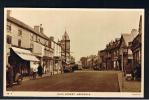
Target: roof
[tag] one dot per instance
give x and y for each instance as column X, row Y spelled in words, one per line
column 113, row 44
column 24, row 54
column 25, row 26
column 128, row 38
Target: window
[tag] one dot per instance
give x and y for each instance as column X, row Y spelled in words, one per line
column 32, row 36
column 9, row 39
column 19, row 43
column 50, row 42
column 130, row 61
column 46, row 43
column 39, row 40
column 31, row 46
column 19, row 32
column 9, row 28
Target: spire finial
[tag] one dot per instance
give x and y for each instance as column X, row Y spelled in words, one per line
column 140, row 24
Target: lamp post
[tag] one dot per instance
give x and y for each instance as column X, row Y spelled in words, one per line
column 122, row 60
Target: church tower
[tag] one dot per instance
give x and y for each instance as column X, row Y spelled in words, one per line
column 140, row 25
column 65, row 44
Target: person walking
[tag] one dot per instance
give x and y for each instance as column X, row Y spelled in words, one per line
column 34, row 70
column 10, row 75
column 31, row 73
column 40, row 70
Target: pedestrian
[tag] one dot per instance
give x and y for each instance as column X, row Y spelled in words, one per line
column 34, row 70
column 135, row 71
column 31, row 73
column 10, row 75
column 128, row 68
column 40, row 70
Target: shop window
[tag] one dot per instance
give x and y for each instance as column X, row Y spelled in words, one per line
column 130, row 61
column 9, row 38
column 19, row 43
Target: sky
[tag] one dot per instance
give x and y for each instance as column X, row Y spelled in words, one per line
column 89, row 30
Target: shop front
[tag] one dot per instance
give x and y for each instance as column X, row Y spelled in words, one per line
column 21, row 60
column 57, row 65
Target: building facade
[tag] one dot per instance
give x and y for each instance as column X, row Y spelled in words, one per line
column 83, row 61
column 126, row 55
column 56, row 57
column 136, row 47
column 118, row 54
column 26, row 44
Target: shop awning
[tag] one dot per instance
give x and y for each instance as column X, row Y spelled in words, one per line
column 24, row 54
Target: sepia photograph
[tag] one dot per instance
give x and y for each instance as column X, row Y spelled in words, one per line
column 72, row 52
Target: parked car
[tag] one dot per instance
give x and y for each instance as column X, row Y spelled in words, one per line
column 67, row 68
column 96, row 67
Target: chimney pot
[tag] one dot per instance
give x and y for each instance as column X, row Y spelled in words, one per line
column 8, row 13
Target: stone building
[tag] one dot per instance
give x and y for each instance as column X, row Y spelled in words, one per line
column 126, row 55
column 40, row 47
column 136, row 45
column 103, row 59
column 25, row 45
column 91, row 61
column 110, row 55
column 117, row 53
column 84, row 62
column 56, row 56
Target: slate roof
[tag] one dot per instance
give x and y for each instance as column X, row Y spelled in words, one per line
column 113, row 44
column 128, row 38
column 25, row 26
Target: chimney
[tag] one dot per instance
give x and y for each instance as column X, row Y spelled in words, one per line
column 51, row 38
column 8, row 13
column 134, row 32
column 38, row 28
column 116, row 39
column 41, row 29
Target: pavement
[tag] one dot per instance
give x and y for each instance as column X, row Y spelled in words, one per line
column 128, row 86
column 125, row 86
column 27, row 78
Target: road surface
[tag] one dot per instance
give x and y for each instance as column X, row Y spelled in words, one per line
column 94, row 81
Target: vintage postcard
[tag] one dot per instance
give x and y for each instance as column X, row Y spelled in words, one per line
column 57, row 52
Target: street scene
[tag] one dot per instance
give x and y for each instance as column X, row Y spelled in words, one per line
column 74, row 50
column 71, row 82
